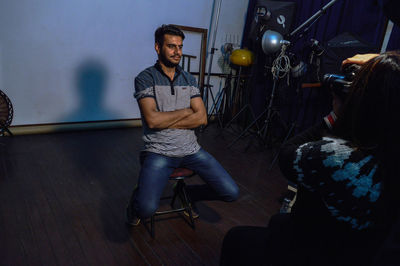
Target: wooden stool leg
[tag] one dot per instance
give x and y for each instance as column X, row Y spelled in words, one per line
column 177, row 193
column 180, row 192
column 187, row 204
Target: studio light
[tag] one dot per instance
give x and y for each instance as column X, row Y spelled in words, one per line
column 271, row 42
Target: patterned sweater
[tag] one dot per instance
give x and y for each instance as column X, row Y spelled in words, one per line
column 344, row 177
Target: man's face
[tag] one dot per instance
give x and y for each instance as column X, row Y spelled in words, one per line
column 170, row 52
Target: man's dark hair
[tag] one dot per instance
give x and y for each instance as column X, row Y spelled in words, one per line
column 167, row 29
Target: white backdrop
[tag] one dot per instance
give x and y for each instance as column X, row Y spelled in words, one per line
column 75, row 60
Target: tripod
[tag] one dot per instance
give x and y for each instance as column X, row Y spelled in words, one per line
column 305, row 27
column 280, row 68
column 222, row 102
column 239, row 95
column 234, row 92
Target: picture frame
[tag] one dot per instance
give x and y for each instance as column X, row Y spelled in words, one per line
column 197, row 40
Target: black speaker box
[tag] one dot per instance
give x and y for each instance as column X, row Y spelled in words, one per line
column 279, row 16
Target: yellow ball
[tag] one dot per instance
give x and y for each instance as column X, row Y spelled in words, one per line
column 242, row 57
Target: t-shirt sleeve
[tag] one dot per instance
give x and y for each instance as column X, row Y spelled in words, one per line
column 144, row 86
column 194, row 90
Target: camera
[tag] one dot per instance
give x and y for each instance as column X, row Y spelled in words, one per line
column 340, row 84
column 337, row 84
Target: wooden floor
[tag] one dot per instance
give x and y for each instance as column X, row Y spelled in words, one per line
column 63, row 199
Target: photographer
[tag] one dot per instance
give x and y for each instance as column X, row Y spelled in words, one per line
column 347, row 174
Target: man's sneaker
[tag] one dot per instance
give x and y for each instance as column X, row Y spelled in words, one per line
column 195, row 213
column 134, row 222
column 131, row 218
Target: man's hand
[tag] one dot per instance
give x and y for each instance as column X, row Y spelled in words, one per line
column 196, row 119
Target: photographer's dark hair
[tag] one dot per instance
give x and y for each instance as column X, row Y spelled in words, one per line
column 370, row 119
column 167, row 29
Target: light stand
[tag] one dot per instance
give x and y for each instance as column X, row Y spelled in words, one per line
column 305, row 26
column 240, row 58
column 221, row 102
column 245, row 107
column 271, row 43
column 213, row 49
column 280, row 69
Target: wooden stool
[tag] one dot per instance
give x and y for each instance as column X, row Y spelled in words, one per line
column 177, row 176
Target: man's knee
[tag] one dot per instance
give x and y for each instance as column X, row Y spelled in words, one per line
column 233, row 193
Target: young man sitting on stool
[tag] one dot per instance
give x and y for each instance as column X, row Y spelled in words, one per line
column 171, row 108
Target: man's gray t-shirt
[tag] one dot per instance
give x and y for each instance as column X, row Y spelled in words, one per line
column 169, row 96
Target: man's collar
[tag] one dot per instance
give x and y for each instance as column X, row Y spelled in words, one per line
column 178, row 68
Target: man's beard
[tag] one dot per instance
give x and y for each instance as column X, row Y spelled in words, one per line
column 166, row 62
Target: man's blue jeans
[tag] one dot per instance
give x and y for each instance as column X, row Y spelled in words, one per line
column 156, row 169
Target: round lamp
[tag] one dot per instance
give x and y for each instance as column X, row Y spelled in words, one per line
column 242, row 57
column 271, row 42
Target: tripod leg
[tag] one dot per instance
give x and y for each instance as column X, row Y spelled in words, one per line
column 247, row 129
column 262, row 132
column 271, row 100
column 212, row 98
column 236, row 115
column 221, row 109
column 231, row 121
column 215, row 105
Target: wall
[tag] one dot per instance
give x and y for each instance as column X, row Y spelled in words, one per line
column 75, row 61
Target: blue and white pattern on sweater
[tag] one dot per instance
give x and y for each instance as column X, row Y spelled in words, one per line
column 344, row 177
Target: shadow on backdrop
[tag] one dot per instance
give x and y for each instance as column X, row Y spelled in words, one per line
column 98, row 159
column 91, row 79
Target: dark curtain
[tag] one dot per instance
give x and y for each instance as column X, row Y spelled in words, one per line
column 363, row 19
